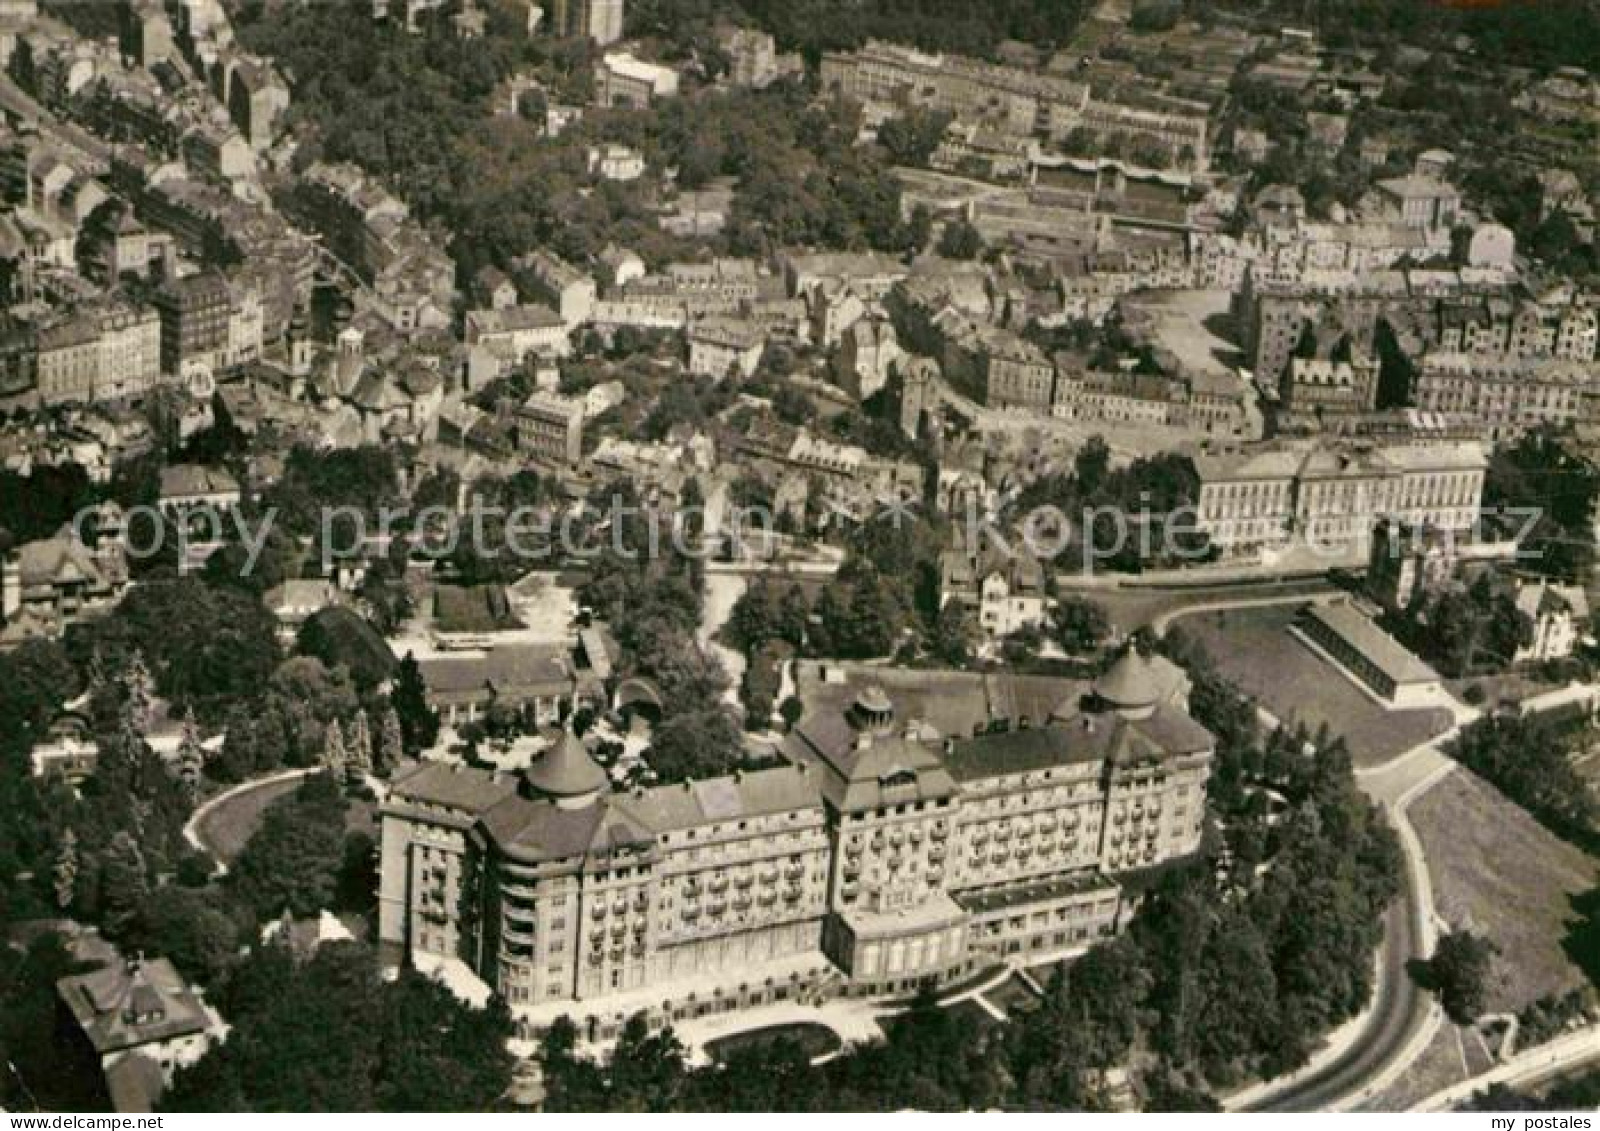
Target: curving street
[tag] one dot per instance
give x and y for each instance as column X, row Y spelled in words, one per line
column 1365, row 1057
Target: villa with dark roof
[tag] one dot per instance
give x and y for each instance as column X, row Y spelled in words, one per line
column 143, row 1021
column 881, row 856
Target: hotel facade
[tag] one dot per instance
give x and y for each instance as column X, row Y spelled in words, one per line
column 880, row 857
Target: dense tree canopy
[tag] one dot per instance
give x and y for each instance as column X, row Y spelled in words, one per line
column 331, row 1035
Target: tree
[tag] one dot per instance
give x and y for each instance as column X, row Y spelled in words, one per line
column 188, row 927
column 330, row 1034
column 65, row 872
column 191, row 756
column 912, row 138
column 960, row 240
column 696, row 745
column 391, row 746
column 359, row 762
column 138, row 692
column 294, row 859
column 954, row 634
column 1081, row 625
column 647, row 1071
column 123, row 880
column 419, row 723
column 340, row 637
column 1459, row 972
column 335, row 753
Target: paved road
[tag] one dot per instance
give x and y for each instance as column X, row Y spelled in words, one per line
column 1396, row 1024
column 1402, row 1016
column 1570, row 1055
column 1396, row 1015
column 1134, row 608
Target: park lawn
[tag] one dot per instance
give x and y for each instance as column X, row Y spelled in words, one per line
column 476, row 608
column 1255, row 649
column 1497, row 870
column 225, row 829
column 1439, row 1067
column 229, row 826
column 814, row 1039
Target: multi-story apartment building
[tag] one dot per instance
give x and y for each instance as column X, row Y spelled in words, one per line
column 516, row 331
column 1333, row 495
column 1507, row 395
column 549, row 427
column 599, row 20
column 1273, row 313
column 1500, row 327
column 195, row 313
column 879, row 858
column 1316, row 388
column 719, row 347
column 1020, row 102
column 109, row 351
column 1116, row 398
column 622, row 81
column 571, row 291
column 372, row 233
column 1017, row 374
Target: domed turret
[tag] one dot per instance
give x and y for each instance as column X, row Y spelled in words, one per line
column 873, row 710
column 1130, row 686
column 567, row 774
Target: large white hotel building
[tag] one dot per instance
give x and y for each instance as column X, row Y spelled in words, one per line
column 880, row 857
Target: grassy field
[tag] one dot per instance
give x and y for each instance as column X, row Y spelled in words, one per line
column 226, row 828
column 1498, row 871
column 1254, row 648
column 478, row 608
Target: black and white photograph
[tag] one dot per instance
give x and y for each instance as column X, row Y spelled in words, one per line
column 565, row 557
